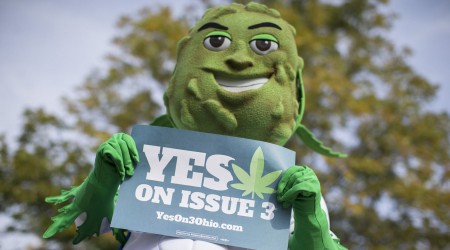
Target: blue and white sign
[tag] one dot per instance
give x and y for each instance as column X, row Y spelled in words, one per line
column 206, row 186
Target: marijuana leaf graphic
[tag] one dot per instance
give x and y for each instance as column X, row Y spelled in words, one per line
column 255, row 183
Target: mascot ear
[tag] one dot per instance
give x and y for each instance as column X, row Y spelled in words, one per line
column 300, row 94
column 305, row 135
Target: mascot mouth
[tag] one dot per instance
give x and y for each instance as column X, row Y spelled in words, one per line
column 235, row 85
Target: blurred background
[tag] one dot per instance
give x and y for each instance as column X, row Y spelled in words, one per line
column 377, row 84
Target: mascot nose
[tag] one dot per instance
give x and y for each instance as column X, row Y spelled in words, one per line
column 238, row 65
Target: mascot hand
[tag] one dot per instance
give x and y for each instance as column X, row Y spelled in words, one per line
column 95, row 197
column 299, row 188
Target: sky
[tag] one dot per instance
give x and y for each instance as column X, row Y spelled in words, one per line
column 48, row 47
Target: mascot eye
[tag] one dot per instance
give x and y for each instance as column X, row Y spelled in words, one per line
column 217, row 43
column 263, row 46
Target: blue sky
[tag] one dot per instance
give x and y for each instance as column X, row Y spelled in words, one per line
column 424, row 26
column 48, row 47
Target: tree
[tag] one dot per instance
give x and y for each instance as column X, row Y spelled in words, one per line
column 58, row 152
column 362, row 97
column 357, row 83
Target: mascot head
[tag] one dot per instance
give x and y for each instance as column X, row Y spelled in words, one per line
column 238, row 73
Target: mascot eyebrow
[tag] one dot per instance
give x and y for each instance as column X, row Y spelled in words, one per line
column 212, row 25
column 266, row 24
column 221, row 27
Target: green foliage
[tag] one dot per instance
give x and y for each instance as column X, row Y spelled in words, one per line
column 255, row 182
column 392, row 191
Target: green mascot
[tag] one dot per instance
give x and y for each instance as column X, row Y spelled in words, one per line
column 238, row 73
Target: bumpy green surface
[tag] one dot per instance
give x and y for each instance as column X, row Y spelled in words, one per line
column 196, row 101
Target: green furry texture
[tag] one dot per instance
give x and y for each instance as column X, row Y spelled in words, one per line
column 196, row 101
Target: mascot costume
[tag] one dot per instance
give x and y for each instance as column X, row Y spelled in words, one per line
column 237, row 74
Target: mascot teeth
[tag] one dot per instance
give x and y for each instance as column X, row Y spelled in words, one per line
column 233, row 85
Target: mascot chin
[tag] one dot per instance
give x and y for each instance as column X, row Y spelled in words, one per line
column 238, row 73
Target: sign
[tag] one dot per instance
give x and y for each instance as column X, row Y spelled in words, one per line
column 206, row 187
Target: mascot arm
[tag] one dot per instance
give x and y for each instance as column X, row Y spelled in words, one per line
column 300, row 188
column 94, row 199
